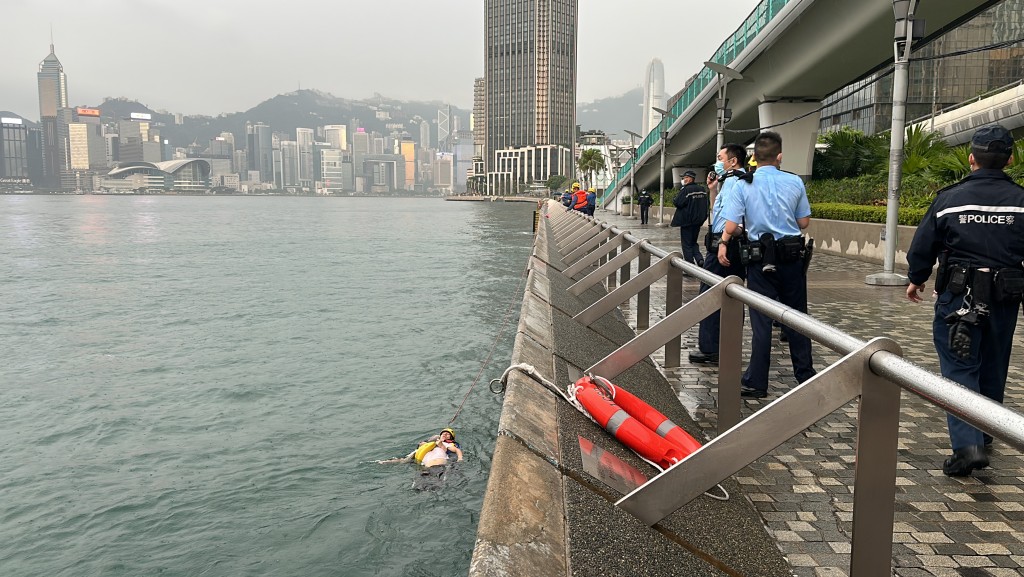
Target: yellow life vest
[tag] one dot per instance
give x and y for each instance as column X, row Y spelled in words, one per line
column 423, row 450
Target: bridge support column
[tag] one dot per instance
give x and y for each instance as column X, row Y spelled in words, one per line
column 798, row 137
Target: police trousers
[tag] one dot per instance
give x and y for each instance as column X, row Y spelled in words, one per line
column 985, row 370
column 788, row 285
column 710, row 328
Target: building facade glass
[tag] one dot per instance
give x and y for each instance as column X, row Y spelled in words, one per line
column 938, row 83
column 530, row 82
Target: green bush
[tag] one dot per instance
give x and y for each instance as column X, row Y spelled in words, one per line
column 910, row 216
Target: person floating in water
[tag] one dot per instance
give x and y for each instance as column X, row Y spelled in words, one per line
column 434, row 451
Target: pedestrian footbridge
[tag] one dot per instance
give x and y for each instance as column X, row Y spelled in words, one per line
column 792, row 54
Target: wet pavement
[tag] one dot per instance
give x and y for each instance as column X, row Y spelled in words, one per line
column 944, row 527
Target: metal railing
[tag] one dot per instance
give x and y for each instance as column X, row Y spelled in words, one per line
column 727, row 52
column 867, row 370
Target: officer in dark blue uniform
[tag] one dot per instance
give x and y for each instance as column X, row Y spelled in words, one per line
column 691, row 212
column 645, row 201
column 774, row 208
column 722, row 181
column 975, row 229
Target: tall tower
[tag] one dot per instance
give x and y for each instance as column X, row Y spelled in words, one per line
column 53, row 96
column 654, row 94
column 530, row 62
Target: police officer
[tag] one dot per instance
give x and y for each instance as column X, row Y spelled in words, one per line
column 645, row 201
column 730, row 164
column 691, row 212
column 774, row 207
column 975, row 229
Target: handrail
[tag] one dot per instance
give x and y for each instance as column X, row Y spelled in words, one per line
column 865, row 371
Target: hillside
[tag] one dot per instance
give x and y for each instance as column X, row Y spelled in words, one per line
column 613, row 115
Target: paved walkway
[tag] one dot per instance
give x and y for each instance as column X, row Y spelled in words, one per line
column 944, row 527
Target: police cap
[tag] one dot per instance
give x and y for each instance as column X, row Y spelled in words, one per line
column 992, row 138
column 691, row 174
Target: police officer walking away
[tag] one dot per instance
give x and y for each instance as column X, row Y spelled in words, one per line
column 645, row 201
column 775, row 209
column 691, row 212
column 727, row 170
column 975, row 229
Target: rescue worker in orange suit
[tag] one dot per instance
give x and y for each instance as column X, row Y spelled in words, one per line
column 579, row 198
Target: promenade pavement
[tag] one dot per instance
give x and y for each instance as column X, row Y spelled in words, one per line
column 944, row 527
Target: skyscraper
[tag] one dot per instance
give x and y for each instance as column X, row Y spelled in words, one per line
column 337, row 135
column 304, row 140
column 654, row 94
column 53, row 96
column 478, row 121
column 530, row 61
column 14, row 152
column 260, row 150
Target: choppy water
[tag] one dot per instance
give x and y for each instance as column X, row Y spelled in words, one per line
column 200, row 386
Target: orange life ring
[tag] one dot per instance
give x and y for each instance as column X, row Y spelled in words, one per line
column 635, row 423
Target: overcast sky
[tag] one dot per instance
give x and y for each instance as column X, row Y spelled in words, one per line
column 214, row 56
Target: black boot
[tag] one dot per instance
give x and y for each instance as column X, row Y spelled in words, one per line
column 965, row 460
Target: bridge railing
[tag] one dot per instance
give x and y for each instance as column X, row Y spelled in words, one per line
column 873, row 371
column 754, row 24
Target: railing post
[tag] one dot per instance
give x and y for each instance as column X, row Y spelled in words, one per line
column 673, row 300
column 874, row 492
column 730, row 345
column 624, row 271
column 643, row 298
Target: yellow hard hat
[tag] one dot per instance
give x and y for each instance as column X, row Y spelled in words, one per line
column 752, row 162
column 592, row 189
column 575, row 185
column 452, row 431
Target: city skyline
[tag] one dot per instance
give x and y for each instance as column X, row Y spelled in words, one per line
column 349, row 64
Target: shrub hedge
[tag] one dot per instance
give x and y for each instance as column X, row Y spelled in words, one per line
column 908, row 215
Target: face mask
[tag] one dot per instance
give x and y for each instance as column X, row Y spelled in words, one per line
column 720, row 167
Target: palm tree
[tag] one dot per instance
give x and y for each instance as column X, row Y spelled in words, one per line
column 590, row 161
column 922, row 149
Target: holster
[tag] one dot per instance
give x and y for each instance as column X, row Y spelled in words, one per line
column 1008, row 285
column 808, row 253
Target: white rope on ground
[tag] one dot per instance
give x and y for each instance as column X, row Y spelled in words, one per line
column 569, row 395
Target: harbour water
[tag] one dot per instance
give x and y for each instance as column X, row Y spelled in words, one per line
column 202, row 386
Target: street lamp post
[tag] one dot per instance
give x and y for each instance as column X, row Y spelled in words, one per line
column 632, row 168
column 903, row 11
column 725, row 74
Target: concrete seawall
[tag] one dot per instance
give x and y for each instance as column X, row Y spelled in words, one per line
column 550, row 512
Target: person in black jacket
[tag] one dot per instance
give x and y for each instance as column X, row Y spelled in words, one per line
column 691, row 212
column 975, row 229
column 645, row 201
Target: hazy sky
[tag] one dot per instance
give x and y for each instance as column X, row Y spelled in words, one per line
column 214, row 56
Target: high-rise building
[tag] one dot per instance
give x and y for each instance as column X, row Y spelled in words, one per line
column 260, row 150
column 464, row 149
column 336, row 170
column 289, row 163
column 337, row 135
column 408, row 151
column 444, row 128
column 424, row 134
column 530, row 61
column 654, row 94
column 304, row 141
column 14, row 154
column 360, row 148
column 478, row 120
column 53, row 96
